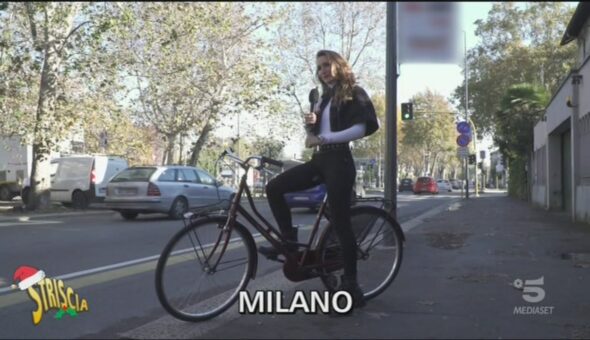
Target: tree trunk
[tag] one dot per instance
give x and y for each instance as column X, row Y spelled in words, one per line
column 433, row 166
column 171, row 138
column 203, row 137
column 39, row 192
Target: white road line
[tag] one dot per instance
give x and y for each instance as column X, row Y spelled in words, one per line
column 416, row 221
column 27, row 223
column 406, row 226
column 117, row 265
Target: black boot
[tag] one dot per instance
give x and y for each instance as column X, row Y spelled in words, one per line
column 271, row 252
column 351, row 286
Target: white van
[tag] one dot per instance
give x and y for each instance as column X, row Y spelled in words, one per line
column 81, row 180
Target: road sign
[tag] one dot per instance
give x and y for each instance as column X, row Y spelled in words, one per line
column 463, row 151
column 463, row 140
column 463, row 128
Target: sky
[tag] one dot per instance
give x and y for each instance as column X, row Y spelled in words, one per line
column 441, row 78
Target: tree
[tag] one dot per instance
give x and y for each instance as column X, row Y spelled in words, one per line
column 354, row 29
column 373, row 147
column 44, row 47
column 517, row 45
column 431, row 134
column 521, row 107
column 191, row 93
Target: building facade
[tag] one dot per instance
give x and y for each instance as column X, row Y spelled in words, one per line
column 561, row 157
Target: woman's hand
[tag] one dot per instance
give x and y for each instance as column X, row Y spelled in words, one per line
column 312, row 140
column 310, row 118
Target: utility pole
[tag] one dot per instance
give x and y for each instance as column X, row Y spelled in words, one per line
column 475, row 147
column 391, row 109
column 466, row 112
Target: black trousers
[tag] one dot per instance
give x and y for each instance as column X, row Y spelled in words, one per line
column 336, row 169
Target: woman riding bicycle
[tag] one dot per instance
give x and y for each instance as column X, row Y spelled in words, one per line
column 345, row 113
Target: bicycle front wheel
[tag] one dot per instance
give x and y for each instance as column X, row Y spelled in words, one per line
column 379, row 251
column 203, row 268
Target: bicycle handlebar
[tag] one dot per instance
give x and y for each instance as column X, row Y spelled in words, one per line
column 271, row 161
column 244, row 164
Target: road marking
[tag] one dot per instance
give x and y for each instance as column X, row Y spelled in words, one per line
column 416, row 221
column 90, row 277
column 171, row 328
column 27, row 223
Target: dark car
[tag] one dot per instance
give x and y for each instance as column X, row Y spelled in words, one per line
column 406, row 184
column 310, row 198
column 426, row 184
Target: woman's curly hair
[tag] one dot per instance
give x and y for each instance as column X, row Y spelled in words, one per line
column 342, row 72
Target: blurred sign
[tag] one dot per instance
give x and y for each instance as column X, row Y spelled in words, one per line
column 499, row 168
column 428, row 32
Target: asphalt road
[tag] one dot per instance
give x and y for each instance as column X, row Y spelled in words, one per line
column 110, row 262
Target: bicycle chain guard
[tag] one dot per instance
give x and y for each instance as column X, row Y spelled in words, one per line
column 312, row 268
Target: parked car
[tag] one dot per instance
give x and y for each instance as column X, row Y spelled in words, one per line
column 406, row 184
column 455, row 184
column 444, row 185
column 171, row 190
column 310, row 198
column 81, row 180
column 425, row 184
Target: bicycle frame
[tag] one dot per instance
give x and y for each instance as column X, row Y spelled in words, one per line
column 267, row 229
column 296, row 268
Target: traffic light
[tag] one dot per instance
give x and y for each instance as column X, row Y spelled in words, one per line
column 480, row 165
column 472, row 159
column 407, row 111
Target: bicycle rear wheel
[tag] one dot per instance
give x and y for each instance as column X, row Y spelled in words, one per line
column 203, row 268
column 379, row 251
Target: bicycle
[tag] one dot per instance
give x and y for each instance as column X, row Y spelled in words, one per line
column 220, row 250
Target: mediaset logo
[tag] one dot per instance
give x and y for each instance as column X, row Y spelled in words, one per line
column 48, row 294
column 532, row 292
column 274, row 302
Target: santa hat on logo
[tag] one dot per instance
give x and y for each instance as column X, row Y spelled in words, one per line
column 27, row 276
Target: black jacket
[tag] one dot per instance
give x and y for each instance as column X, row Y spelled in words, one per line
column 358, row 110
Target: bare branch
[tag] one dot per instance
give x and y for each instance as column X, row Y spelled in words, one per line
column 70, row 34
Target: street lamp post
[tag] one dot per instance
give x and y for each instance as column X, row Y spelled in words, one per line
column 475, row 147
column 466, row 111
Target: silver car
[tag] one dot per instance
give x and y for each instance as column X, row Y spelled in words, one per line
column 171, row 189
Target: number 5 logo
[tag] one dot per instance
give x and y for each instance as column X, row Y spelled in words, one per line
column 530, row 292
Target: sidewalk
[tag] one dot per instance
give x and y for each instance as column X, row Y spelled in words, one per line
column 456, row 281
